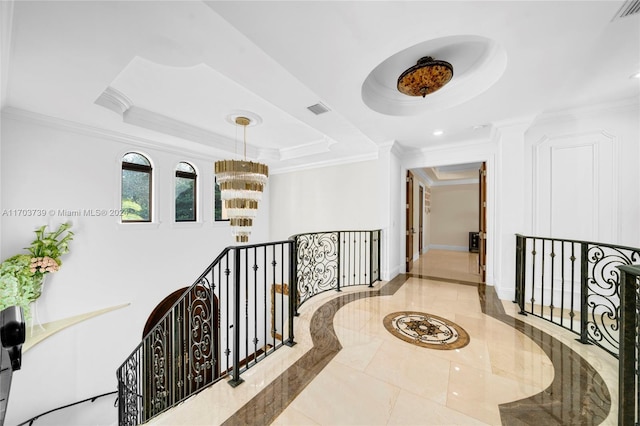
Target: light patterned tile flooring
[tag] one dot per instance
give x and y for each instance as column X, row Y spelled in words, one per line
column 376, row 376
column 457, row 265
column 378, row 379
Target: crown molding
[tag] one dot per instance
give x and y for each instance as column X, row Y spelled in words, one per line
column 150, row 120
column 423, row 175
column 566, row 114
column 118, row 102
column 209, row 154
column 456, row 182
column 519, row 125
column 274, row 170
column 114, row 100
column 455, row 146
column 392, row 147
column 312, row 148
column 93, row 131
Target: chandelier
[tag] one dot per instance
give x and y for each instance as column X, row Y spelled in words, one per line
column 427, row 76
column 241, row 185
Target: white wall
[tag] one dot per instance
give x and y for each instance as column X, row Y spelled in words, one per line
column 454, row 213
column 583, row 174
column 344, row 197
column 393, row 180
column 51, row 167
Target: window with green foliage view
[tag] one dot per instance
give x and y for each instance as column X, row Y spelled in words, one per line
column 136, row 188
column 185, row 193
column 220, row 212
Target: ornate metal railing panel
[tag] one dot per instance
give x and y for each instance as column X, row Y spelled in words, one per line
column 317, row 258
column 332, row 260
column 239, row 311
column 130, row 389
column 628, row 368
column 575, row 284
column 235, row 314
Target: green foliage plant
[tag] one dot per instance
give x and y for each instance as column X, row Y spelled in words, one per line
column 21, row 276
column 131, row 210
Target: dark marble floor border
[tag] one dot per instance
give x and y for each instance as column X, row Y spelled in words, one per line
column 577, row 396
column 446, row 280
column 274, row 398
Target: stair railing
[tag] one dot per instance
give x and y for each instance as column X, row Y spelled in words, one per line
column 233, row 316
column 334, row 260
column 237, row 312
column 591, row 289
column 628, row 373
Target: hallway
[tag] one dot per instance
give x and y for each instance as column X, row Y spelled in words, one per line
column 363, row 374
column 448, row 264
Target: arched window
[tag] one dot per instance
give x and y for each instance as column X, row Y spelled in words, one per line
column 136, row 188
column 185, row 193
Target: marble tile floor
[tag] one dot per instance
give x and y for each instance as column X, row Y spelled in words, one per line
column 347, row 369
column 456, row 265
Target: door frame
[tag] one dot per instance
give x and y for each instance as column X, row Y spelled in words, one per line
column 409, row 228
column 421, row 191
column 482, row 222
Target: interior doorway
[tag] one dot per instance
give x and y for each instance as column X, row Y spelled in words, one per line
column 457, row 260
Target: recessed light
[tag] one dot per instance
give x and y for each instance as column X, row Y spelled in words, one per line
column 438, row 132
column 479, row 126
column 636, row 75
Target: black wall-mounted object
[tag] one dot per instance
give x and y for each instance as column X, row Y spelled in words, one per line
column 12, row 336
column 474, row 242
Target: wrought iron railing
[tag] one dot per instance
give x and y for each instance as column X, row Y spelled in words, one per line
column 334, row 260
column 239, row 311
column 234, row 315
column 628, row 371
column 61, row 415
column 574, row 284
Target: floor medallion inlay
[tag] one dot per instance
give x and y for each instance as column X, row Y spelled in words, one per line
column 578, row 394
column 426, row 330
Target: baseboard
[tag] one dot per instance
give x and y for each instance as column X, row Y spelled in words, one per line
column 388, row 275
column 445, row 247
column 505, row 293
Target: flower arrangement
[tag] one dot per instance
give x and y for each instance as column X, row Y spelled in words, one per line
column 21, row 276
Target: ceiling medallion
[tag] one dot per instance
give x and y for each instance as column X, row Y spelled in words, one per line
column 241, row 185
column 426, row 330
column 427, row 76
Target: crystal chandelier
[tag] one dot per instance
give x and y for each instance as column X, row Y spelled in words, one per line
column 241, row 185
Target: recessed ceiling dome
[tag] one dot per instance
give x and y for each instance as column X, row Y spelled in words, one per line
column 479, row 63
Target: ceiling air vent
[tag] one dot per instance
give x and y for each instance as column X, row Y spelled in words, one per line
column 629, row 7
column 319, row 108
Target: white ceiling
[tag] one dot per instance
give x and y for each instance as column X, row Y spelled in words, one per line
column 177, row 72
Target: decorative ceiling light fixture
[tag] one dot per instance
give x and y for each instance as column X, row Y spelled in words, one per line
column 241, row 185
column 427, row 76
